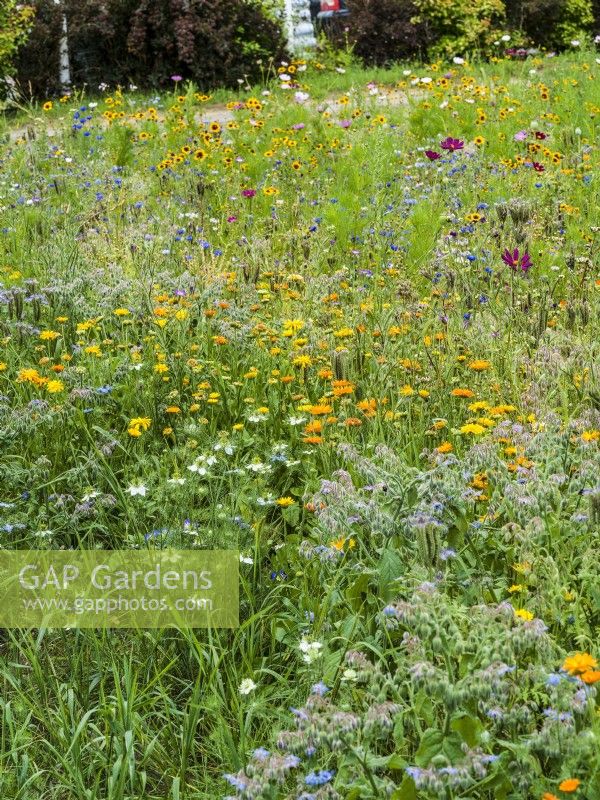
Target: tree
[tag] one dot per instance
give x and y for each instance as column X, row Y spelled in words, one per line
column 16, row 22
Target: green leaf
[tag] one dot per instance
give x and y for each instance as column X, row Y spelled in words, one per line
column 396, row 761
column 469, row 728
column 389, row 568
column 431, row 744
column 407, row 790
column 424, row 707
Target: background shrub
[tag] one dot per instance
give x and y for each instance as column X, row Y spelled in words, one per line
column 551, row 23
column 15, row 23
column 464, row 27
column 213, row 42
column 381, row 31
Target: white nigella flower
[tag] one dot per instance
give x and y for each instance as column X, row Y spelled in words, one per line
column 258, row 467
column 226, row 447
column 257, row 417
column 176, row 481
column 349, row 675
column 246, row 559
column 247, row 686
column 137, row 491
column 310, row 650
column 89, row 496
column 198, row 469
column 296, row 420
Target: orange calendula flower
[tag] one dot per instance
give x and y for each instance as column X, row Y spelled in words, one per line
column 444, row 447
column 479, row 365
column 579, row 663
column 320, row 410
column 462, row 393
column 569, row 785
column 549, row 796
column 591, row 676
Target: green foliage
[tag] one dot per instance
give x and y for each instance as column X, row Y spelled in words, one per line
column 461, row 28
column 575, row 22
column 16, row 21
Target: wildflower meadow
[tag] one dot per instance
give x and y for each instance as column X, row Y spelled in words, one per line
column 346, row 323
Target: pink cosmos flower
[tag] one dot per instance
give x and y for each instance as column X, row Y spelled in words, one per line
column 517, row 261
column 452, row 144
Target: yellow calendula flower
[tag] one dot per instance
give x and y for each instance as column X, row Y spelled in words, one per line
column 590, row 436
column 522, row 613
column 55, row 386
column 285, row 502
column 473, row 428
column 137, row 425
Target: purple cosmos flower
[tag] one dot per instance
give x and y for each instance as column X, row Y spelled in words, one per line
column 452, row 144
column 517, row 261
column 432, row 155
column 248, row 192
column 520, row 136
column 176, row 78
column 345, row 123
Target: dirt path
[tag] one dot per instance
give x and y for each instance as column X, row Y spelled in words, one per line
column 221, row 114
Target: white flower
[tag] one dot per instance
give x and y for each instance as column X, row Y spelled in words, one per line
column 349, row 675
column 296, row 420
column 258, row 467
column 301, row 97
column 176, row 481
column 575, row 42
column 139, row 490
column 341, row 70
column 89, row 496
column 310, row 650
column 426, row 80
column 505, row 38
column 284, row 77
column 247, row 686
column 246, row 559
column 199, row 470
column 458, row 60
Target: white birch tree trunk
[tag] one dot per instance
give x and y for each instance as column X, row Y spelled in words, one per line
column 64, row 65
